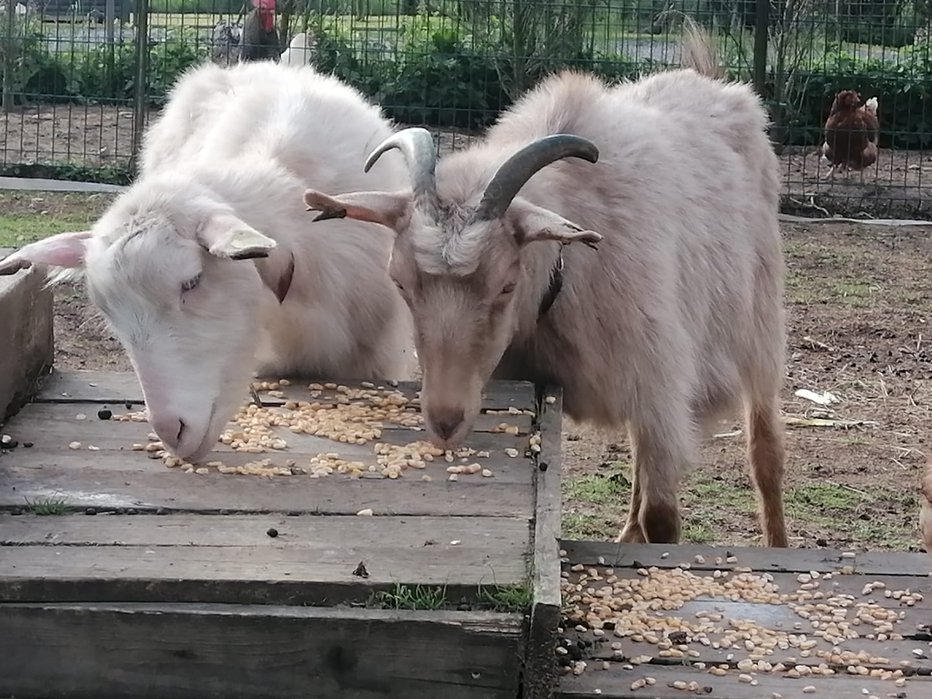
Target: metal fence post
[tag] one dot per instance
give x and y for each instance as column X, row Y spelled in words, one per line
column 761, row 27
column 142, row 69
column 9, row 60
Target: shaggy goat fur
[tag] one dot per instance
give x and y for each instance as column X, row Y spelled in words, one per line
column 207, row 268
column 673, row 322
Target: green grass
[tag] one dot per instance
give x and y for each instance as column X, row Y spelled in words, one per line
column 596, row 506
column 46, row 506
column 697, row 533
column 414, row 597
column 29, row 216
column 602, row 496
column 17, row 230
column 599, row 504
column 866, row 520
column 495, row 598
column 498, row 598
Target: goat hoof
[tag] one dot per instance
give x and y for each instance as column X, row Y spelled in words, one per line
column 631, row 535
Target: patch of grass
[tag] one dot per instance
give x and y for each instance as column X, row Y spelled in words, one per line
column 596, row 504
column 585, row 525
column 702, row 489
column 598, row 489
column 18, row 230
column 857, row 294
column 47, row 506
column 497, row 598
column 425, row 597
column 494, row 598
column 29, row 216
column 874, row 517
column 695, row 532
column 820, row 500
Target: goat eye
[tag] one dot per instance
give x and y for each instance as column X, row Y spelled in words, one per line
column 508, row 288
column 191, row 283
column 401, row 287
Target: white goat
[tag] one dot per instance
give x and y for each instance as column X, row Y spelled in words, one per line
column 207, row 267
column 677, row 316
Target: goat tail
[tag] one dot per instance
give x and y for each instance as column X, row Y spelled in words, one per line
column 699, row 51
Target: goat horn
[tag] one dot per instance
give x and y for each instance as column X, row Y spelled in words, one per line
column 419, row 151
column 520, row 167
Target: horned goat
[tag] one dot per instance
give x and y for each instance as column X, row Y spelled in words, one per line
column 207, row 268
column 671, row 323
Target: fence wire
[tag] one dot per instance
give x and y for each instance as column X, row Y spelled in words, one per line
column 80, row 81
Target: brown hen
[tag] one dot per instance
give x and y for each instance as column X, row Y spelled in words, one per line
column 851, row 132
column 925, row 512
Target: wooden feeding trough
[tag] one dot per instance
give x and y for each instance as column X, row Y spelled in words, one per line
column 263, row 574
column 743, row 623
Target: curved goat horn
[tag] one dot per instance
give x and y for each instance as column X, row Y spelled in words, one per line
column 417, row 146
column 520, row 167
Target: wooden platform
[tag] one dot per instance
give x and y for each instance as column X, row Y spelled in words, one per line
column 649, row 620
column 156, row 582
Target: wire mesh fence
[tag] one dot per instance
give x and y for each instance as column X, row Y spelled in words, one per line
column 81, row 78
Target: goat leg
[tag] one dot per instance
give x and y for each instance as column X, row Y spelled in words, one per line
column 767, row 456
column 632, row 532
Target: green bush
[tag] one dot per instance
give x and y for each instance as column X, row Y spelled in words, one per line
column 102, row 73
column 446, row 78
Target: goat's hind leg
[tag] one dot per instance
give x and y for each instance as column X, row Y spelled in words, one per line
column 767, row 460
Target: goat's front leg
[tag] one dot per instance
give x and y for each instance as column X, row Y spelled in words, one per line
column 662, row 453
column 632, row 532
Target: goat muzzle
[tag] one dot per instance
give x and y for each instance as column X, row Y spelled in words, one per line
column 514, row 173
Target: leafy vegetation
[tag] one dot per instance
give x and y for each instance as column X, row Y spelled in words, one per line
column 457, row 63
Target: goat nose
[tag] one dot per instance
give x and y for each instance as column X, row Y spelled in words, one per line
column 445, row 421
column 170, row 430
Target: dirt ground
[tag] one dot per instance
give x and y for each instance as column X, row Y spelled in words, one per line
column 859, row 301
column 898, row 185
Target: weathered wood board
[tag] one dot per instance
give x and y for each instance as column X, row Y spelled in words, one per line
column 26, row 347
column 145, row 580
column 201, row 651
column 651, row 620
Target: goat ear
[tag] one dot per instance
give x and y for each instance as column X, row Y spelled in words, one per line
column 533, row 223
column 277, row 271
column 224, row 235
column 385, row 208
column 62, row 250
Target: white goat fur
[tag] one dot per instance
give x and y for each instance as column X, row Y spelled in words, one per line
column 673, row 321
column 235, row 148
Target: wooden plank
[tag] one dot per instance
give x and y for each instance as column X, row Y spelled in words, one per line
column 729, row 618
column 615, row 683
column 26, row 342
column 894, row 651
column 836, row 586
column 540, row 673
column 485, row 537
column 122, row 387
column 506, row 471
column 205, row 651
column 320, row 571
column 762, row 560
column 52, row 428
column 80, row 483
column 63, row 421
